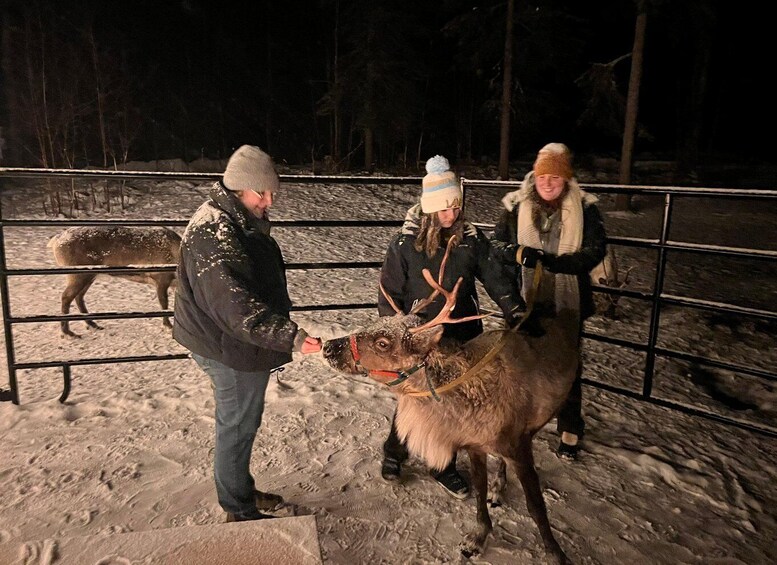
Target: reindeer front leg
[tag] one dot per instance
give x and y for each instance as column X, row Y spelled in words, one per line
column 162, row 283
column 473, row 543
column 497, row 487
column 522, row 464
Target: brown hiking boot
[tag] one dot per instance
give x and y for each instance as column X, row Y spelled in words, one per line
column 267, row 500
column 246, row 516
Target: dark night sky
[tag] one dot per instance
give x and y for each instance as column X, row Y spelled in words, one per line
column 202, row 77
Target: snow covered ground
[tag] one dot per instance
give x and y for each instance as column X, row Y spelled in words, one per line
column 131, row 449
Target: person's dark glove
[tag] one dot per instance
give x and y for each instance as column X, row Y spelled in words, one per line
column 504, row 253
column 528, row 256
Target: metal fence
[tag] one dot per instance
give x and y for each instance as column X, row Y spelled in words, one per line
column 657, row 297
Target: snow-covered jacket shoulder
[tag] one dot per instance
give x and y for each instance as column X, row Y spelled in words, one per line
column 231, row 301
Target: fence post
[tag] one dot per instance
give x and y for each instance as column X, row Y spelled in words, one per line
column 658, row 288
column 13, row 394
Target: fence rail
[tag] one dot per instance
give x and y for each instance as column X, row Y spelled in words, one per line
column 656, row 297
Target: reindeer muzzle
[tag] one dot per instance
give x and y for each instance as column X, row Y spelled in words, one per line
column 336, row 352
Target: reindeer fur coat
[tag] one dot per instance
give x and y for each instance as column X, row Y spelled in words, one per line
column 402, row 278
column 231, row 303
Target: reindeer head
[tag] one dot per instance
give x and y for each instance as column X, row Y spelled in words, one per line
column 390, row 345
column 399, row 343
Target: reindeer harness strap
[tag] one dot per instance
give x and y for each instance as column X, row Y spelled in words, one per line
column 399, row 376
column 489, row 356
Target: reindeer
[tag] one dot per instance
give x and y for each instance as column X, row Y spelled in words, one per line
column 488, row 396
column 115, row 247
column 606, row 274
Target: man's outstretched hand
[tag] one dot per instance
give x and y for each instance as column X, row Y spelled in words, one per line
column 311, row 345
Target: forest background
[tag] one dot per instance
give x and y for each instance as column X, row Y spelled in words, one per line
column 383, row 85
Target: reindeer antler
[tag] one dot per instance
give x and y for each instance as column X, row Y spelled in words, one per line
column 626, row 278
column 390, row 300
column 444, row 317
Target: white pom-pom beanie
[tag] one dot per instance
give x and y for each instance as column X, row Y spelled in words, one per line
column 441, row 188
column 250, row 168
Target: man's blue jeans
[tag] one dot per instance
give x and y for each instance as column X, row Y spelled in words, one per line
column 239, row 399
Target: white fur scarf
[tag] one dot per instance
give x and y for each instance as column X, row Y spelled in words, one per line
column 567, row 292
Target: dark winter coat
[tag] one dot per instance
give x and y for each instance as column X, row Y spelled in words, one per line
column 580, row 263
column 402, row 277
column 231, row 302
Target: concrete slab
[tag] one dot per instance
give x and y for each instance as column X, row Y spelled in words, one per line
column 264, row 542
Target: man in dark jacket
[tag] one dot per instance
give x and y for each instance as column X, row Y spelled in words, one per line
column 421, row 245
column 232, row 312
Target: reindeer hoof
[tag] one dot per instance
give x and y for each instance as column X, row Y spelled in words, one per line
column 94, row 326
column 494, row 496
column 555, row 554
column 471, row 545
column 559, row 557
column 70, row 334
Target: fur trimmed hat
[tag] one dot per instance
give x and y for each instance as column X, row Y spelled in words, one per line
column 441, row 188
column 250, row 168
column 554, row 159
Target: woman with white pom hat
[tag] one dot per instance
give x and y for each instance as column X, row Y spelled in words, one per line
column 421, row 244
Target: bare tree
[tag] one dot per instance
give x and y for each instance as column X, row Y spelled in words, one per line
column 507, row 88
column 100, row 94
column 623, row 201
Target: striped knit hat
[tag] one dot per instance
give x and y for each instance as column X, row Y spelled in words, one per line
column 441, row 188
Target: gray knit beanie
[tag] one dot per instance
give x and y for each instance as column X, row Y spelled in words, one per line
column 250, row 168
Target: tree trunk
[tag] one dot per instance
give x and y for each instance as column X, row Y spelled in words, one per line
column 368, row 148
column 623, row 201
column 100, row 101
column 701, row 26
column 36, row 103
column 507, row 88
column 268, row 115
column 10, row 103
column 335, row 149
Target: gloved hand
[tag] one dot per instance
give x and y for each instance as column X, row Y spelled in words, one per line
column 503, row 253
column 528, row 256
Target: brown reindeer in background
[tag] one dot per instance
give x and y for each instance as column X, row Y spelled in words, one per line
column 518, row 383
column 607, row 274
column 114, row 247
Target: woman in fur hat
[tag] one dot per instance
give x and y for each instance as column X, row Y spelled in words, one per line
column 552, row 220
column 421, row 245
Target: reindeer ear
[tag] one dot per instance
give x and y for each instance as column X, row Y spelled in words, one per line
column 426, row 340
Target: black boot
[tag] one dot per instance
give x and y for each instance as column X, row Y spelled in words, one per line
column 394, row 454
column 390, row 469
column 569, row 446
column 453, row 483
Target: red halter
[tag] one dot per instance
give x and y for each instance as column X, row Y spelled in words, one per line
column 398, row 376
column 354, row 349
